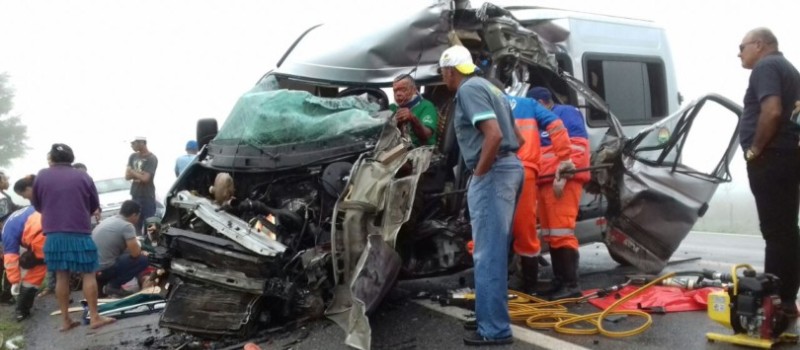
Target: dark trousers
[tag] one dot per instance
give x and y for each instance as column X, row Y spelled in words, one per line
column 5, row 285
column 122, row 271
column 148, row 210
column 775, row 183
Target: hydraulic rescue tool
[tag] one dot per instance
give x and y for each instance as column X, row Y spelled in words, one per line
column 750, row 306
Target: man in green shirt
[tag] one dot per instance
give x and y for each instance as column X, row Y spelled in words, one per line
column 415, row 116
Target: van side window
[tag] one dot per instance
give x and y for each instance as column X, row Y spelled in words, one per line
column 635, row 87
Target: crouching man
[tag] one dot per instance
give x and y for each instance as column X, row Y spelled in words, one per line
column 121, row 257
column 23, row 257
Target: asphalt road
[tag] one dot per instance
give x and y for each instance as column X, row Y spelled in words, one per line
column 402, row 322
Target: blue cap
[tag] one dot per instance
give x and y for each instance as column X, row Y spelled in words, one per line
column 191, row 145
column 540, row 93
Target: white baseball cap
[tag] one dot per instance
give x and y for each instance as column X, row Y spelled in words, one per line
column 459, row 57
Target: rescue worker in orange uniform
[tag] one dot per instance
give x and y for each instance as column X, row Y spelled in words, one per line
column 528, row 115
column 559, row 197
column 23, row 234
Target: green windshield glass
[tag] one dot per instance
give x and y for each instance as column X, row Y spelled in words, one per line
column 277, row 117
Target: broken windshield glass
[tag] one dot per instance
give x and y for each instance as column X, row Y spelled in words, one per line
column 267, row 118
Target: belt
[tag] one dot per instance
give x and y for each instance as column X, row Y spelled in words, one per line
column 503, row 154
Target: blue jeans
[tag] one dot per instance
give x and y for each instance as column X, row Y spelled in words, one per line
column 492, row 200
column 122, row 271
column 148, row 210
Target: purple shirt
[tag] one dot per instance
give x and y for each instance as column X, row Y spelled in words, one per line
column 66, row 197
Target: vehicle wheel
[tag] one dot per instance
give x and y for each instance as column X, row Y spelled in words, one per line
column 206, row 131
column 618, row 258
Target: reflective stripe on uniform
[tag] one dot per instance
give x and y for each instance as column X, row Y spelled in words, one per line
column 558, row 232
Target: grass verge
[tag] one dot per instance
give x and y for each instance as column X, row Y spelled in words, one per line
column 9, row 327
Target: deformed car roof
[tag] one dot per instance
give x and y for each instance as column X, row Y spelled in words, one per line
column 373, row 51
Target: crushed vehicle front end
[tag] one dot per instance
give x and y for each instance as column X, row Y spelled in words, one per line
column 248, row 226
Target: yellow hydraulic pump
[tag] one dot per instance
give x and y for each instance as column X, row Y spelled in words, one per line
column 750, row 306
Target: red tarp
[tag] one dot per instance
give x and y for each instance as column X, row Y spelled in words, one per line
column 671, row 299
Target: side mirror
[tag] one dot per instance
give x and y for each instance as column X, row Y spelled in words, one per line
column 206, row 131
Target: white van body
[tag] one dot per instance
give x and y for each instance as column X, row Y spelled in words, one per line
column 626, row 61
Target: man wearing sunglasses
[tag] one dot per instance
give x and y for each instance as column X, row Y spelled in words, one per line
column 769, row 138
column 415, row 115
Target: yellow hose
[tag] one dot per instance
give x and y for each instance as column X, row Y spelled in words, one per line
column 541, row 314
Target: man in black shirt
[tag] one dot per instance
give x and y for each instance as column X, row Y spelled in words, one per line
column 769, row 138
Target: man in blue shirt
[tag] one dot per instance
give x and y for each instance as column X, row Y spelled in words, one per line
column 183, row 161
column 488, row 141
column 769, row 139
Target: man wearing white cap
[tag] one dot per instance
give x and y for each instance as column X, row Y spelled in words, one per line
column 488, row 141
column 142, row 165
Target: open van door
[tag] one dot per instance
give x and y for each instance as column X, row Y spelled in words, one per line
column 661, row 180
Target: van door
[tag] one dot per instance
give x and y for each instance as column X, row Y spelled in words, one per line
column 663, row 178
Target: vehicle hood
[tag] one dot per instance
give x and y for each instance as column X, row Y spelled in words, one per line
column 113, row 200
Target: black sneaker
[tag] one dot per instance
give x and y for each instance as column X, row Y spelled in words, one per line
column 475, row 339
column 21, row 316
column 471, row 325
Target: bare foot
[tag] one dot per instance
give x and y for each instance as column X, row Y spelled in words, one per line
column 102, row 321
column 251, row 346
column 44, row 293
column 67, row 326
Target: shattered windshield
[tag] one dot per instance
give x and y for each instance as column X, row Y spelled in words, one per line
column 278, row 117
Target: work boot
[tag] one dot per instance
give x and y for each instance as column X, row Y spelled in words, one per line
column 5, row 289
column 567, row 262
column 25, row 302
column 530, row 274
column 555, row 282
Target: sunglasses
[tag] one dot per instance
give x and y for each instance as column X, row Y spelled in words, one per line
column 743, row 45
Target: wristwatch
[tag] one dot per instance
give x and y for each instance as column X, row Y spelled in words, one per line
column 749, row 155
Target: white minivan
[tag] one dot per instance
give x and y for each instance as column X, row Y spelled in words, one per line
column 309, row 197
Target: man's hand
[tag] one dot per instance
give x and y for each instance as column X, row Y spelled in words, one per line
column 403, row 115
column 97, row 215
column 565, row 170
column 128, row 173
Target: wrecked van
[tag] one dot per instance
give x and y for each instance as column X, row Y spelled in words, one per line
column 308, row 202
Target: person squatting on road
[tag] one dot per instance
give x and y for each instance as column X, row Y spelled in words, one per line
column 23, row 256
column 560, row 196
column 6, row 208
column 769, row 139
column 488, row 141
column 528, row 115
column 113, row 237
column 66, row 197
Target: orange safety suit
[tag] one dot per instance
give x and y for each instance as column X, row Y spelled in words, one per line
column 528, row 114
column 27, row 232
column 557, row 216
